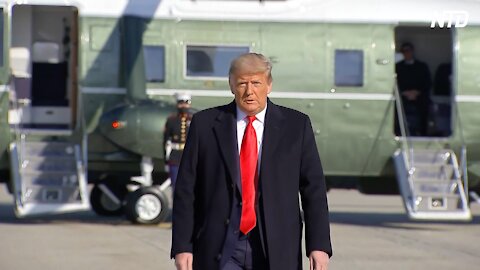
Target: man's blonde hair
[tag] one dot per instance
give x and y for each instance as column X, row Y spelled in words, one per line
column 250, row 63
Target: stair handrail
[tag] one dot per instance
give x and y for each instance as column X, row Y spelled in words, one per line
column 81, row 174
column 407, row 145
column 463, row 149
column 81, row 128
column 19, row 136
column 81, row 150
column 462, row 190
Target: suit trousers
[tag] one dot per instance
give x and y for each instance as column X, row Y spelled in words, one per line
column 248, row 253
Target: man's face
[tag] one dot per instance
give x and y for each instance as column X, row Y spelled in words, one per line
column 407, row 53
column 251, row 91
column 183, row 105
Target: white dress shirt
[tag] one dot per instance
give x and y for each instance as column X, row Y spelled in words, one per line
column 258, row 125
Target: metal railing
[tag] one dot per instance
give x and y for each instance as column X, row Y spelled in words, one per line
column 18, row 148
column 19, row 136
column 463, row 149
column 407, row 145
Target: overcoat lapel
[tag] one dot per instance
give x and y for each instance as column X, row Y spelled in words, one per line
column 271, row 139
column 226, row 135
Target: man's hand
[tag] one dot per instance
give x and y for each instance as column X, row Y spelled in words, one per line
column 411, row 94
column 318, row 260
column 184, row 261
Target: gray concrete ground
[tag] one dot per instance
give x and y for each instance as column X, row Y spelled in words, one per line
column 368, row 232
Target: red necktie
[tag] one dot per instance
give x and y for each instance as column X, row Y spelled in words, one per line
column 248, row 169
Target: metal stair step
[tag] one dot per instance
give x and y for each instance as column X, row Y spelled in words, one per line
column 455, row 215
column 434, row 171
column 435, row 202
column 435, row 187
column 60, row 195
column 40, row 158
column 433, row 180
column 431, row 185
column 48, row 176
column 48, row 149
column 49, row 164
column 431, row 156
column 59, row 179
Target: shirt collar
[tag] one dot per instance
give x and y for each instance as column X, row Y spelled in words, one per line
column 260, row 116
column 410, row 62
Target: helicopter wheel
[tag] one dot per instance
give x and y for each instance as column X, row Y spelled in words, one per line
column 146, row 205
column 102, row 204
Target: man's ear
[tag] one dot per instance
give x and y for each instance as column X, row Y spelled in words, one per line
column 230, row 84
column 269, row 86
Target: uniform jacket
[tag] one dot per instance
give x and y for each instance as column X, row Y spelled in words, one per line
column 176, row 130
column 206, row 212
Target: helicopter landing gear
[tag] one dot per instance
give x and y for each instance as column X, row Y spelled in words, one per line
column 106, row 198
column 147, row 205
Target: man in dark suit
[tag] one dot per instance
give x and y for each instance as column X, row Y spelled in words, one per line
column 414, row 82
column 236, row 201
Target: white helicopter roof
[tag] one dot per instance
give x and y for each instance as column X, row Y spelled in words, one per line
column 355, row 11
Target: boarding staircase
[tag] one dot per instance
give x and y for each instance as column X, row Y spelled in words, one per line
column 432, row 180
column 48, row 169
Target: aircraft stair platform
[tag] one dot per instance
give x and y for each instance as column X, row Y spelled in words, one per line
column 48, row 177
column 430, row 182
column 433, row 182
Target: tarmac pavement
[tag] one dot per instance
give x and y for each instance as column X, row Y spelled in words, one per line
column 368, row 232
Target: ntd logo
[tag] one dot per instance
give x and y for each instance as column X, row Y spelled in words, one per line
column 458, row 18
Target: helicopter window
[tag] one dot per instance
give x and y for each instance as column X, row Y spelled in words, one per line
column 1, row 36
column 211, row 61
column 349, row 68
column 154, row 59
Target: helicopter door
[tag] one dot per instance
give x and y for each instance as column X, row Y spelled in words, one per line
column 434, row 47
column 41, row 60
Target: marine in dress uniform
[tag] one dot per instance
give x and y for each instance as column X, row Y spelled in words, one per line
column 175, row 135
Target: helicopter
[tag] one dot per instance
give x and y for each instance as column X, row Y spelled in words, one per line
column 87, row 87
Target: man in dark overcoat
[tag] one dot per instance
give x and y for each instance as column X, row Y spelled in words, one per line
column 236, row 202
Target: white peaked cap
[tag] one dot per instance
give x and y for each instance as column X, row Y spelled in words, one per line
column 183, row 96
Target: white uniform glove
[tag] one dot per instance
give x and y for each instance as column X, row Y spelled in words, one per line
column 168, row 150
